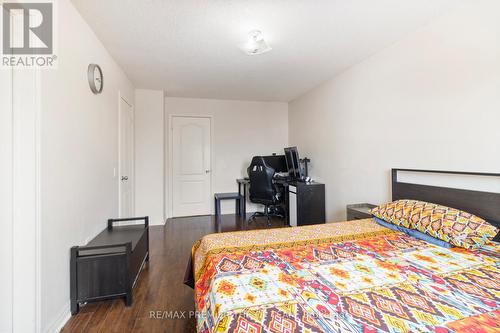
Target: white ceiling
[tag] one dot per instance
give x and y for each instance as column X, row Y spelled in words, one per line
column 190, row 48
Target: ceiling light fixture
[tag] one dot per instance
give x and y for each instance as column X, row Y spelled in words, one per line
column 256, row 43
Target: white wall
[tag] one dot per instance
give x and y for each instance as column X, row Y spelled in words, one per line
column 79, row 152
column 149, row 154
column 431, row 101
column 242, row 130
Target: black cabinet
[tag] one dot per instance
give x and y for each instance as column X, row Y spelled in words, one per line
column 109, row 265
column 306, row 203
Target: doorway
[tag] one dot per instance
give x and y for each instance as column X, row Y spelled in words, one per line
column 191, row 165
column 126, row 159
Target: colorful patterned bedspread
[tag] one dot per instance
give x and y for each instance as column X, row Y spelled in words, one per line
column 358, row 278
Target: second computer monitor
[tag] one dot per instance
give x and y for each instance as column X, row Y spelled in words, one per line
column 293, row 162
column 277, row 162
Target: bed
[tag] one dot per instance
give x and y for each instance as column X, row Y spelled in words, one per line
column 354, row 276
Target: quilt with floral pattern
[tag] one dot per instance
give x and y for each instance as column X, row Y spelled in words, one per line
column 370, row 280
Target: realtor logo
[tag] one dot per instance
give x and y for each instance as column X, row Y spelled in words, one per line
column 28, row 34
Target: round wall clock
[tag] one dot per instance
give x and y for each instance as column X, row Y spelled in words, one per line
column 95, row 77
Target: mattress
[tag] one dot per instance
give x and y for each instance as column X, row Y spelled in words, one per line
column 354, row 276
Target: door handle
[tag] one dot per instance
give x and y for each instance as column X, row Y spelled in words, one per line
column 124, row 178
column 207, row 171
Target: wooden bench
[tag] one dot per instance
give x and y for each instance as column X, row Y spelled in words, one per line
column 109, row 265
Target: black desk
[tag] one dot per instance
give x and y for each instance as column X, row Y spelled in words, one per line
column 309, row 204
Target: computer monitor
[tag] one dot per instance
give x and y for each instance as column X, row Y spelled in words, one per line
column 293, row 162
column 277, row 162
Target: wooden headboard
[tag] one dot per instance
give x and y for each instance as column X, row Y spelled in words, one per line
column 482, row 204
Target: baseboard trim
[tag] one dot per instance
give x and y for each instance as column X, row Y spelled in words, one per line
column 157, row 222
column 62, row 318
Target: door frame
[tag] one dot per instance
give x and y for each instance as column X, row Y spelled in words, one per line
column 121, row 98
column 20, row 201
column 21, row 208
column 169, row 200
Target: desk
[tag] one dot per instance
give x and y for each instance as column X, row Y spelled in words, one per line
column 308, row 204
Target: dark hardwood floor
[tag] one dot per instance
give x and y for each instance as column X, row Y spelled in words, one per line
column 160, row 287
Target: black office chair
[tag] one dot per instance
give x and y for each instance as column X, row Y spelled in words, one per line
column 263, row 190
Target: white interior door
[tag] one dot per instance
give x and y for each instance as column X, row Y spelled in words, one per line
column 6, row 200
column 20, row 197
column 126, row 167
column 191, row 179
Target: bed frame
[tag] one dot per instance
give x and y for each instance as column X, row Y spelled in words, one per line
column 482, row 204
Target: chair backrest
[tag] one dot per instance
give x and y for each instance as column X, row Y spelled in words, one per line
column 262, row 189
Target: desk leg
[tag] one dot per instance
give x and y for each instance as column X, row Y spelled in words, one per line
column 287, row 207
column 244, row 205
column 217, row 215
column 240, row 211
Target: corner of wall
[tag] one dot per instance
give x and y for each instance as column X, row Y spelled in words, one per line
column 59, row 320
column 150, row 154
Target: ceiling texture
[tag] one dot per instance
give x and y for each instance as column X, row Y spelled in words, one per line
column 191, row 48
